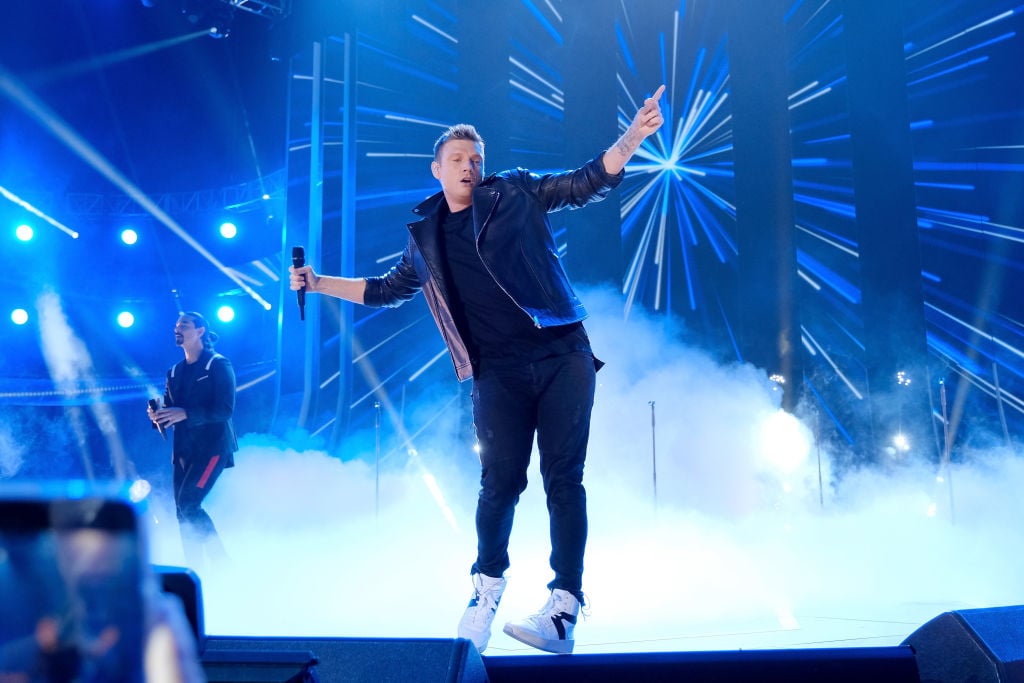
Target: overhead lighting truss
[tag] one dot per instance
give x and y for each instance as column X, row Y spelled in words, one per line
column 234, row 198
column 271, row 9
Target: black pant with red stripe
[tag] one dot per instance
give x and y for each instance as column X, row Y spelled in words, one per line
column 193, row 479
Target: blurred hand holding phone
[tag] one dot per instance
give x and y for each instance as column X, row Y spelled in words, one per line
column 77, row 589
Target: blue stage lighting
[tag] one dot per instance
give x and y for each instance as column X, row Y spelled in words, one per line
column 125, row 319
column 129, row 236
column 24, row 232
column 225, row 314
column 228, row 230
column 19, row 316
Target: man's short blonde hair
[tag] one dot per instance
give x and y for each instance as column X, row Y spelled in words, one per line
column 460, row 131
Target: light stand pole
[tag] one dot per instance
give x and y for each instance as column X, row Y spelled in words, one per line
column 376, row 460
column 654, row 459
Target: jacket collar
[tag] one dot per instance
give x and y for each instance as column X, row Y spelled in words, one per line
column 432, row 204
column 429, row 206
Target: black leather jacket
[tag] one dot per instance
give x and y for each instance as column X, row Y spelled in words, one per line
column 515, row 243
column 209, row 400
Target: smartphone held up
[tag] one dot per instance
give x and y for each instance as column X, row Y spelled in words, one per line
column 71, row 586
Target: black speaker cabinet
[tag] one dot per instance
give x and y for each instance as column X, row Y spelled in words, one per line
column 813, row 665
column 373, row 660
column 977, row 645
column 184, row 584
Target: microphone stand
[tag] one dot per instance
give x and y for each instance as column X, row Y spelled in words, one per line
column 817, row 444
column 999, row 404
column 376, row 495
column 946, row 455
column 654, row 459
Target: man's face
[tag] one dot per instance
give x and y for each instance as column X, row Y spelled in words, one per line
column 459, row 167
column 186, row 332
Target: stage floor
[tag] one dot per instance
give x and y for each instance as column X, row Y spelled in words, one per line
column 848, row 627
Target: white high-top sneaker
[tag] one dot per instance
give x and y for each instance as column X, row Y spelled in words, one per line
column 551, row 628
column 476, row 620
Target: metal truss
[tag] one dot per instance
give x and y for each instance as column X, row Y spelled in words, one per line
column 272, row 9
column 234, row 198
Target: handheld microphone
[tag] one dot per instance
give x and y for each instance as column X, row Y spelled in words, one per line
column 299, row 260
column 155, row 405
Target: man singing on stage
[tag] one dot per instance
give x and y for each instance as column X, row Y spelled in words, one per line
column 483, row 254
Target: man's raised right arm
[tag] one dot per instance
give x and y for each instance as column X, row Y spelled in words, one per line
column 347, row 288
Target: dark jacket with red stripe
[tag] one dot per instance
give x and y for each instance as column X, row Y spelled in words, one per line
column 209, row 401
column 514, row 241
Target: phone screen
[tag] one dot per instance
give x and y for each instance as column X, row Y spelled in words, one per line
column 70, row 591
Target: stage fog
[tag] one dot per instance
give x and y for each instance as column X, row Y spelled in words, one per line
column 707, row 502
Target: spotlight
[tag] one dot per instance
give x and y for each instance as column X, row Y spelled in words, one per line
column 139, row 489
column 228, row 230
column 125, row 319
column 901, row 442
column 129, row 236
column 24, row 232
column 216, row 17
column 784, row 442
column 225, row 314
column 221, row 17
column 19, row 316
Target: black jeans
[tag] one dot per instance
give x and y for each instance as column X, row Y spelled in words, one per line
column 192, row 483
column 553, row 399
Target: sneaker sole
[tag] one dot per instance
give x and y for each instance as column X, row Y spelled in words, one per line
column 475, row 639
column 558, row 647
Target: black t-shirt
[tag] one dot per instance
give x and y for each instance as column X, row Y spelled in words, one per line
column 494, row 327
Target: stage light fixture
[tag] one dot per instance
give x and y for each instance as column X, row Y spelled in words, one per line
column 221, row 16
column 125, row 319
column 139, row 489
column 24, row 232
column 19, row 316
column 225, row 314
column 784, row 442
column 228, row 230
column 213, row 15
column 129, row 236
column 901, row 442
